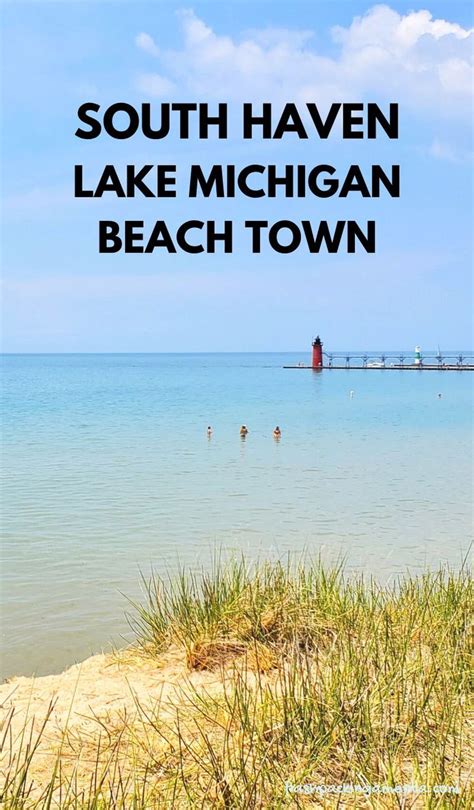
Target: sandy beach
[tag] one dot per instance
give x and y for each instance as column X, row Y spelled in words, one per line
column 108, row 708
column 104, row 691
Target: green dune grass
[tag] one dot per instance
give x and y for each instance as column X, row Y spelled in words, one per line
column 322, row 679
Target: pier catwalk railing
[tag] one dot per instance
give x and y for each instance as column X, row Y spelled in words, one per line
column 363, row 359
column 430, row 360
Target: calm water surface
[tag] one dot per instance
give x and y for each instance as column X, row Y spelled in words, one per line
column 107, row 469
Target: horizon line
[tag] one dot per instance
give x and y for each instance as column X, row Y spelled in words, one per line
column 253, row 351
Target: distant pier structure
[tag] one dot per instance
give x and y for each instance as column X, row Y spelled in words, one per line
column 395, row 361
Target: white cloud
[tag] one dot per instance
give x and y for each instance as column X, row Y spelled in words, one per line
column 456, row 77
column 152, row 84
column 384, row 26
column 420, row 61
column 146, row 43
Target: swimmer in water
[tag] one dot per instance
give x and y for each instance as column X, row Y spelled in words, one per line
column 277, row 433
column 209, row 431
column 439, row 396
column 243, row 430
column 351, row 394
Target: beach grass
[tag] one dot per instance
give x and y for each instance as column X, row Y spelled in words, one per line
column 319, row 679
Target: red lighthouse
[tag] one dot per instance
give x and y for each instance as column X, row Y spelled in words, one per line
column 317, row 353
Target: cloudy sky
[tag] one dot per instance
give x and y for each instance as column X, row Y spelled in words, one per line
column 61, row 295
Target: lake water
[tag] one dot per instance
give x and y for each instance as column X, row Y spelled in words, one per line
column 107, row 469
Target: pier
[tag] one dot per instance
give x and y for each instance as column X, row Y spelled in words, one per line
column 388, row 361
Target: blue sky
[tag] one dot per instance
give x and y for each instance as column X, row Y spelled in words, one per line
column 59, row 294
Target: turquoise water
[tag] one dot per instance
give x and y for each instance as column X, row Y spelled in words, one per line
column 108, row 469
